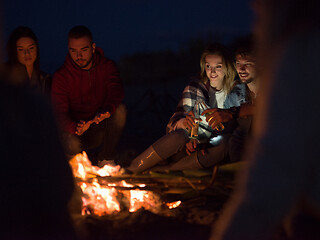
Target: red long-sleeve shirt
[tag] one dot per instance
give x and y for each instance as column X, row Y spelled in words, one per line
column 79, row 94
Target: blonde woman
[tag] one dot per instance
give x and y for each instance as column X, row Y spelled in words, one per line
column 216, row 88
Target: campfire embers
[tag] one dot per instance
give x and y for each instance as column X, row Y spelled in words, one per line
column 105, row 192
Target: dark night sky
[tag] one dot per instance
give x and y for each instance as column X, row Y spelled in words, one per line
column 123, row 27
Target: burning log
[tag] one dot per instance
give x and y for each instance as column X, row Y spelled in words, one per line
column 104, row 194
column 108, row 190
column 112, row 201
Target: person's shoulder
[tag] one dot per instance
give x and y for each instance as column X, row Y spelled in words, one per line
column 238, row 86
column 64, row 70
column 68, row 67
column 104, row 65
column 195, row 86
column 195, row 83
column 60, row 71
column 237, row 94
column 192, row 84
column 101, row 59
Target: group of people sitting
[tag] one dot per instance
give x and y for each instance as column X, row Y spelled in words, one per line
column 87, row 97
column 278, row 191
column 86, row 92
column 224, row 99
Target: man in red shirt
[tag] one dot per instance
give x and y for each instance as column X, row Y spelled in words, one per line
column 87, row 96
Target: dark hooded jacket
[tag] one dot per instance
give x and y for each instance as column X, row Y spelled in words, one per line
column 79, row 94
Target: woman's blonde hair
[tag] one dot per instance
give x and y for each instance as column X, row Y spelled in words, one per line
column 230, row 73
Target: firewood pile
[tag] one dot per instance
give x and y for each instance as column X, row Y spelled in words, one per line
column 202, row 197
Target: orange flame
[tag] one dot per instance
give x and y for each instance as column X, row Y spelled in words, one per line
column 173, row 204
column 104, row 199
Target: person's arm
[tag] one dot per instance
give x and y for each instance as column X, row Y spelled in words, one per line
column 216, row 116
column 59, row 97
column 246, row 109
column 178, row 119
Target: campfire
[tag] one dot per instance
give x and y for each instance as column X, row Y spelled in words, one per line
column 104, row 190
column 111, row 204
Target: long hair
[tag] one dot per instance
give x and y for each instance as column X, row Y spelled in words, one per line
column 19, row 32
column 230, row 73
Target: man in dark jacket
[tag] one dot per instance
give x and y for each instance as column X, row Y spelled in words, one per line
column 87, row 95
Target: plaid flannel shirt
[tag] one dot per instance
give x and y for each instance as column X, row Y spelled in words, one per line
column 198, row 91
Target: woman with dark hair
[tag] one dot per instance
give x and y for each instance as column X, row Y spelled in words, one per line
column 24, row 60
column 215, row 89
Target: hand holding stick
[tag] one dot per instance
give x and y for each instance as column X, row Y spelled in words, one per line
column 100, row 117
column 83, row 126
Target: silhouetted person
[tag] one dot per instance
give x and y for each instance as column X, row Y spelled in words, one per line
column 281, row 188
column 87, row 95
column 36, row 181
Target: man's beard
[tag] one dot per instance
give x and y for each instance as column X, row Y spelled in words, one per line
column 85, row 64
column 247, row 81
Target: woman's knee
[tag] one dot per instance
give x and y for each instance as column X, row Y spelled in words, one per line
column 179, row 136
column 171, row 143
